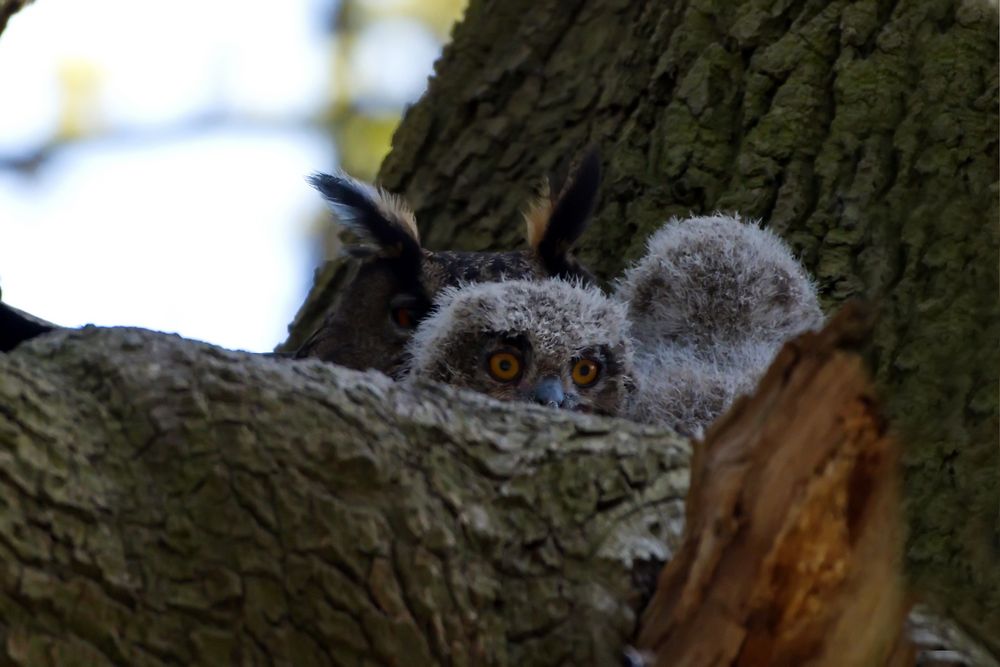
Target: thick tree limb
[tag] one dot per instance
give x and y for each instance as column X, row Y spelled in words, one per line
column 168, row 502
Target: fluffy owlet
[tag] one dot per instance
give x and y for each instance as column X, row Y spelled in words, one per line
column 710, row 304
column 551, row 342
column 398, row 279
column 691, row 326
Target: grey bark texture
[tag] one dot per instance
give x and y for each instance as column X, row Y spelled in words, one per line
column 864, row 132
column 167, row 502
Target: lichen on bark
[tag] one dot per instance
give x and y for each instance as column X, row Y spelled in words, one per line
column 169, row 502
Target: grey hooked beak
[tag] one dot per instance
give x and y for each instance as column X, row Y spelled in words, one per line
column 549, row 391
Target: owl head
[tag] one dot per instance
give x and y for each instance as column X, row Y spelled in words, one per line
column 398, row 279
column 716, row 282
column 553, row 342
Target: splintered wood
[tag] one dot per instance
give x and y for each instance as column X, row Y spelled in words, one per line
column 792, row 551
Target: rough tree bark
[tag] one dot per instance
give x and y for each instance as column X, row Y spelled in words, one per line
column 864, row 132
column 167, row 502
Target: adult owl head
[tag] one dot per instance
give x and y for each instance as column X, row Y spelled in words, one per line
column 398, row 279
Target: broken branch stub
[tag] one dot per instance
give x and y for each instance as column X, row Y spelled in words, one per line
column 792, row 550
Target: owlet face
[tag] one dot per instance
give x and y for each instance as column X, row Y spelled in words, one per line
column 550, row 342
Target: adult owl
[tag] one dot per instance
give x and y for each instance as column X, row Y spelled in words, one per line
column 398, row 279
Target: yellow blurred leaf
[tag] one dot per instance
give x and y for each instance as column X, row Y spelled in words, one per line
column 79, row 87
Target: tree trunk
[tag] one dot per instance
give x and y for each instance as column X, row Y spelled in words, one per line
column 865, row 133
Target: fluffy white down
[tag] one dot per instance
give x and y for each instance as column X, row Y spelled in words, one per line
column 702, row 314
column 684, row 390
column 558, row 314
column 715, row 281
column 710, row 304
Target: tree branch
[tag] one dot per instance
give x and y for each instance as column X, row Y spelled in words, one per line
column 169, row 502
column 8, row 8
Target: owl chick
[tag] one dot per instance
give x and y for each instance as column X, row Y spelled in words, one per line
column 710, row 304
column 553, row 342
column 691, row 326
column 714, row 283
column 398, row 279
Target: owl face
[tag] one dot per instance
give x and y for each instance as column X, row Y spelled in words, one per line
column 550, row 342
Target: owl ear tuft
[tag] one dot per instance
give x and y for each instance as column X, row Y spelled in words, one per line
column 375, row 215
column 556, row 220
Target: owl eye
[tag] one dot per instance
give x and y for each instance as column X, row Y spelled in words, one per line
column 504, row 366
column 406, row 311
column 586, row 372
column 404, row 317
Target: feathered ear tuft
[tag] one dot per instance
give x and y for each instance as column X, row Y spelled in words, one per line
column 373, row 214
column 555, row 222
column 536, row 218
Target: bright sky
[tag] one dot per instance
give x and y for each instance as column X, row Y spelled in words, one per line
column 200, row 232
column 204, row 236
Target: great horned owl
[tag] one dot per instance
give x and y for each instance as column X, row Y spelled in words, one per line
column 692, row 325
column 398, row 279
column 558, row 343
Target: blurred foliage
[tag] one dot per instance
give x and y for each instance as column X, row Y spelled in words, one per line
column 365, row 95
column 362, row 129
column 437, row 15
column 360, row 112
column 79, row 112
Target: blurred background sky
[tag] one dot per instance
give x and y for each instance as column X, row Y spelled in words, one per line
column 153, row 153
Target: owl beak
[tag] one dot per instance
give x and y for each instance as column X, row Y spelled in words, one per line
column 549, row 391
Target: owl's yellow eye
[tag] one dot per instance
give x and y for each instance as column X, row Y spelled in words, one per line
column 504, row 366
column 586, row 372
